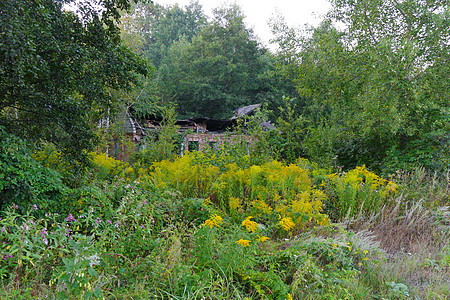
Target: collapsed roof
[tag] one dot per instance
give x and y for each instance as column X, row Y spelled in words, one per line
column 203, row 124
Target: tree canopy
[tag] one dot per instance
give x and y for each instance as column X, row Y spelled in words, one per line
column 58, row 68
column 205, row 67
column 375, row 85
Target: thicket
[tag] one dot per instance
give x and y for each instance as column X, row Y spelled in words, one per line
column 371, row 79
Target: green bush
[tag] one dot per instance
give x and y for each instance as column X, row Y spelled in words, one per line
column 26, row 182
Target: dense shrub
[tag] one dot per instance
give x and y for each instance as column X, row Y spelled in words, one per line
column 23, row 180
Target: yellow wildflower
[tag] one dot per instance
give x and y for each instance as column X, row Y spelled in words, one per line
column 262, row 207
column 262, row 238
column 322, row 220
column 207, row 201
column 392, row 187
column 234, row 203
column 249, row 224
column 289, row 297
column 333, row 176
column 349, row 246
column 287, row 223
column 244, row 243
column 214, row 220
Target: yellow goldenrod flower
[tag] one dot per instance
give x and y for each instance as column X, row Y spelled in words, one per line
column 349, row 246
column 249, row 224
column 262, row 238
column 234, row 203
column 287, row 223
column 333, row 176
column 322, row 220
column 214, row 220
column 392, row 187
column 262, row 207
column 206, row 202
column 244, row 243
column 289, row 297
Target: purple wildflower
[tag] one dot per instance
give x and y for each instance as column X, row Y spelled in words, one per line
column 70, row 218
column 109, row 221
column 35, row 207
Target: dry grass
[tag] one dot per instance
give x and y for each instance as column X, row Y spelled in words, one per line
column 405, row 225
column 414, row 234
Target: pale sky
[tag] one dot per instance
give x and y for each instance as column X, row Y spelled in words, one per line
column 258, row 12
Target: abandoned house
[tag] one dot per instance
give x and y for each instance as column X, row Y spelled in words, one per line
column 198, row 133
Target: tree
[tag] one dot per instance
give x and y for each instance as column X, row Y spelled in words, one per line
column 216, row 72
column 151, row 30
column 376, row 87
column 169, row 26
column 58, row 68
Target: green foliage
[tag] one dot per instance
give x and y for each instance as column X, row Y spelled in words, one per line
column 206, row 68
column 30, row 245
column 151, row 30
column 431, row 150
column 159, row 237
column 229, row 221
column 163, row 144
column 58, row 67
column 78, row 274
column 216, row 72
column 398, row 290
column 25, row 181
column 292, row 129
column 369, row 92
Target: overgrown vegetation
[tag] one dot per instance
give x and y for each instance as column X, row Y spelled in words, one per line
column 348, row 198
column 215, row 224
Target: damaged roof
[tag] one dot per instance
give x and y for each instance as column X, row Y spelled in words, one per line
column 204, row 124
column 245, row 111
